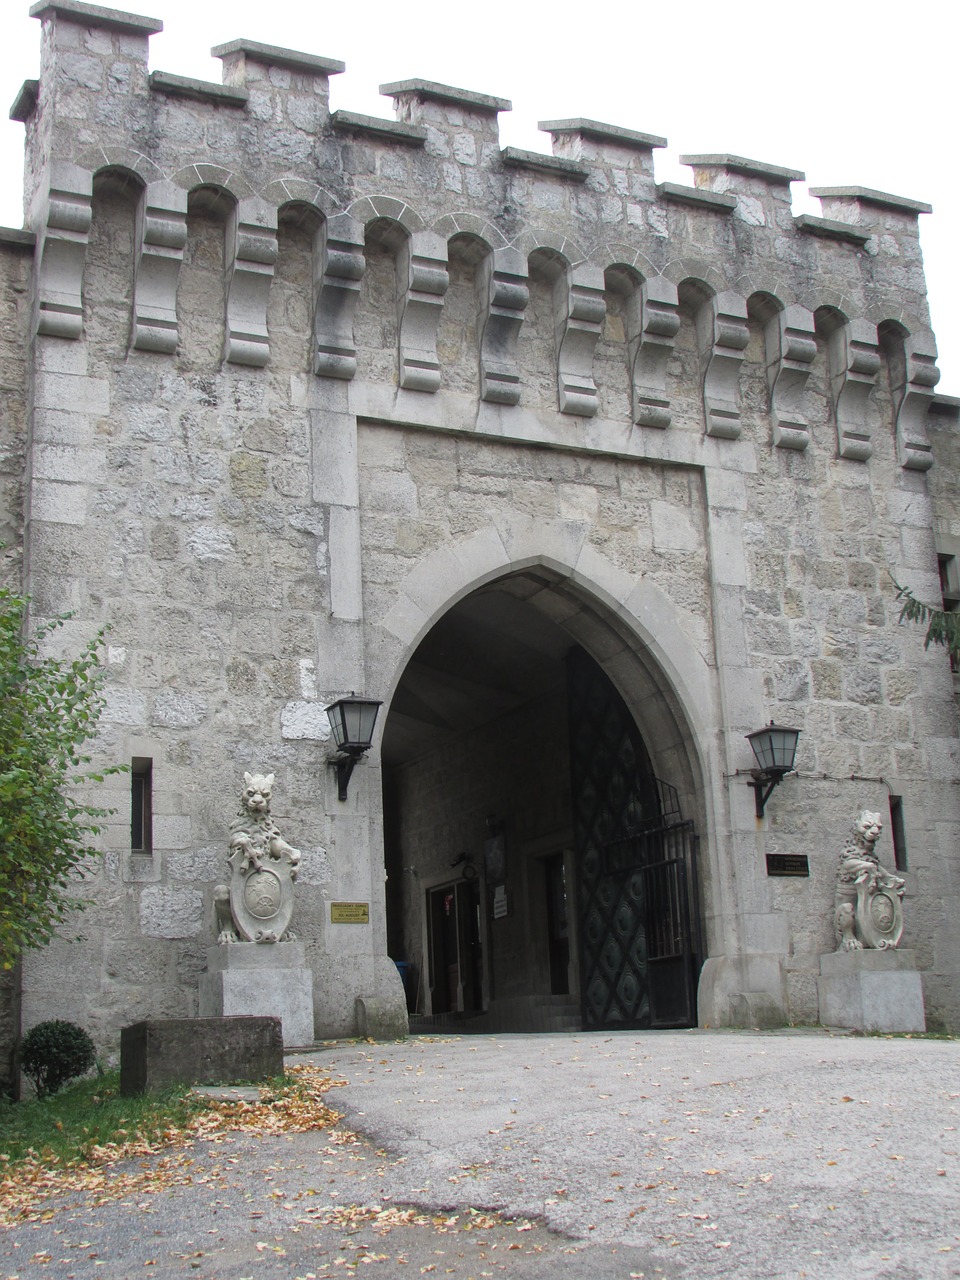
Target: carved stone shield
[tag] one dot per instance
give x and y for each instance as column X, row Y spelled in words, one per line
column 261, row 897
column 879, row 917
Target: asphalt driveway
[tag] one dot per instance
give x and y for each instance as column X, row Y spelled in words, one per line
column 668, row 1154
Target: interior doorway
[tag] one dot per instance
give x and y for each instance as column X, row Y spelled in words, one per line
column 558, row 924
column 453, row 950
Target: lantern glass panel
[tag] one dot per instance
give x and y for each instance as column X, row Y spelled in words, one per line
column 352, row 715
column 335, row 716
column 783, row 744
column 368, row 720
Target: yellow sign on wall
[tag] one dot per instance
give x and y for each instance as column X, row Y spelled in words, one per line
column 349, row 912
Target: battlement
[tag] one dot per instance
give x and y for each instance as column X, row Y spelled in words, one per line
column 587, row 221
column 583, row 146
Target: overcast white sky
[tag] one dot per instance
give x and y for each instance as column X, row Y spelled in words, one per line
column 851, row 92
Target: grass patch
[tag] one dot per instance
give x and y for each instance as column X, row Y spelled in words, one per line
column 88, row 1139
column 908, row 1035
column 68, row 1127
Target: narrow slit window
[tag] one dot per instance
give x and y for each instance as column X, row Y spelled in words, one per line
column 898, row 833
column 950, row 592
column 141, row 805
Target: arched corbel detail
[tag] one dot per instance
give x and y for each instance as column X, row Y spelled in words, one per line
column 161, row 236
column 791, row 347
column 654, row 321
column 913, row 376
column 63, row 232
column 252, row 255
column 722, row 336
column 377, row 208
column 548, row 244
column 579, row 309
column 341, row 268
column 134, row 163
column 214, row 177
column 464, row 223
column 503, row 294
column 292, row 190
column 854, row 353
column 422, row 280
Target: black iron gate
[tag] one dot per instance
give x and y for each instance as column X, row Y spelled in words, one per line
column 636, row 869
column 661, row 864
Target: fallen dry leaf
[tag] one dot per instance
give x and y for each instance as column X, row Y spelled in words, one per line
column 298, row 1107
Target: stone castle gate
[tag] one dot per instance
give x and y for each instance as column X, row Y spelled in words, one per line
column 302, row 402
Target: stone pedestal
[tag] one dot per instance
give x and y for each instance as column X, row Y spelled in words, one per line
column 871, row 991
column 263, row 979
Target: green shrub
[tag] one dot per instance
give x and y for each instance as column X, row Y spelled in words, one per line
column 53, row 1053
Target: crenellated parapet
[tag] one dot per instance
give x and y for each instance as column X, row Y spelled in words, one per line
column 264, row 142
column 756, row 189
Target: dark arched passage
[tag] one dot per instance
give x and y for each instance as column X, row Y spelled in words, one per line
column 524, row 806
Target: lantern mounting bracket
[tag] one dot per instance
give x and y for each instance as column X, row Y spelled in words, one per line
column 345, row 763
column 774, row 748
column 352, row 721
column 763, row 784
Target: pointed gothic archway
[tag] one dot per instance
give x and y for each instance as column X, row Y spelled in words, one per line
column 537, row 777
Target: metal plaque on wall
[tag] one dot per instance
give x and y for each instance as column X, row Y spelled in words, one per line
column 349, row 912
column 788, row 864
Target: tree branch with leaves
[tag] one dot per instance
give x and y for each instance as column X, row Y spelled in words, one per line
column 943, row 626
column 49, row 708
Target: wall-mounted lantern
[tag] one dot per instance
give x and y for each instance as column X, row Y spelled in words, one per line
column 352, row 721
column 775, row 749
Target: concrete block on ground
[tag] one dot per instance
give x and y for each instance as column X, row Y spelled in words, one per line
column 379, row 1019
column 871, row 991
column 165, row 1051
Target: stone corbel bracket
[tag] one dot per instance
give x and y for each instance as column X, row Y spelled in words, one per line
column 422, row 280
column 503, row 294
column 791, row 349
column 854, row 365
column 161, row 236
column 579, row 309
column 342, row 265
column 654, row 326
column 62, row 235
column 914, row 381
column 722, row 335
column 252, row 250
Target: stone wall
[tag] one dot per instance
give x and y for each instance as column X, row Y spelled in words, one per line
column 16, row 258
column 298, row 382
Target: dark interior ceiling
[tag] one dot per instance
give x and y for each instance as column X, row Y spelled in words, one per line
column 495, row 650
